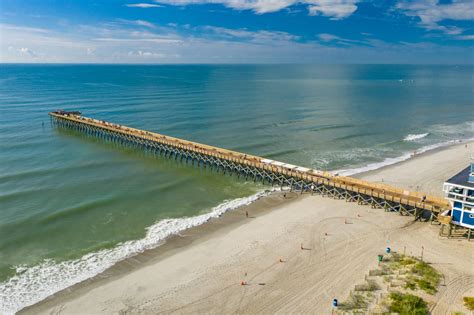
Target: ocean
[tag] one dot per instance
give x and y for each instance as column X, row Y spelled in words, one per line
column 71, row 206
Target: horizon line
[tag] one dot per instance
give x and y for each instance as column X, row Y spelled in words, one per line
column 229, row 63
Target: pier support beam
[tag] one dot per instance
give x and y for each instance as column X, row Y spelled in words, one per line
column 338, row 187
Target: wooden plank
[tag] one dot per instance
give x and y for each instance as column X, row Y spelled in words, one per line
column 302, row 173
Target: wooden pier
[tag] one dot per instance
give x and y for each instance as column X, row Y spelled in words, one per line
column 257, row 168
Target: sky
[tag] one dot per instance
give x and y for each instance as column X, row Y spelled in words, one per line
column 237, row 31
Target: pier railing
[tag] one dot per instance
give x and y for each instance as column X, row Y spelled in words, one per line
column 258, row 168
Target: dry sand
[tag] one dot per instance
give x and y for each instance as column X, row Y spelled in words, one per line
column 201, row 271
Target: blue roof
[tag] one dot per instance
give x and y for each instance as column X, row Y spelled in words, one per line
column 462, row 178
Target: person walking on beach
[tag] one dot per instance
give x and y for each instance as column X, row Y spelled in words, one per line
column 247, row 214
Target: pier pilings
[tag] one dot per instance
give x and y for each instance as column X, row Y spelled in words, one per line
column 256, row 168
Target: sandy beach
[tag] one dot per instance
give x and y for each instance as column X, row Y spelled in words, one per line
column 201, row 270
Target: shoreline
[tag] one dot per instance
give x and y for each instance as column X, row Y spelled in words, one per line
column 212, row 229
column 426, row 150
column 215, row 227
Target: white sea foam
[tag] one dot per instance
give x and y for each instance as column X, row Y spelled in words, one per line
column 33, row 284
column 390, row 161
column 413, row 137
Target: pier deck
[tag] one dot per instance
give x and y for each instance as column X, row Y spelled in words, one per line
column 256, row 168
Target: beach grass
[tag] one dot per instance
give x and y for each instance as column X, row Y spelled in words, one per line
column 469, row 302
column 355, row 302
column 407, row 304
column 429, row 277
column 419, row 274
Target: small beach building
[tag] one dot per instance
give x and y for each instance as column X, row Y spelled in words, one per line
column 459, row 190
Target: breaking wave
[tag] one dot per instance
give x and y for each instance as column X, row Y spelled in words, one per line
column 401, row 158
column 413, row 137
column 33, row 284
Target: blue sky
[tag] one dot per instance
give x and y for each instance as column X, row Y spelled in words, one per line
column 237, row 31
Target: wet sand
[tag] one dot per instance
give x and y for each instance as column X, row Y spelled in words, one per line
column 201, row 271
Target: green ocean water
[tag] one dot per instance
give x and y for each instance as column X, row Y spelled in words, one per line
column 71, row 205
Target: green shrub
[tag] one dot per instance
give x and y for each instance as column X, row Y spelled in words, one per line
column 407, row 304
column 426, row 286
column 429, row 277
column 469, row 302
column 410, row 285
column 407, row 261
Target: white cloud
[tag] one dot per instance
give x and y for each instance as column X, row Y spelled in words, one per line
column 27, row 52
column 118, row 43
column 259, row 6
column 156, row 40
column 258, row 36
column 431, row 12
column 90, row 51
column 8, row 27
column 143, row 5
column 138, row 23
column 331, row 38
column 335, row 9
column 141, row 53
column 144, row 23
column 328, row 37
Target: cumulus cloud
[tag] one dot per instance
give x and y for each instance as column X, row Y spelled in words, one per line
column 259, row 6
column 143, row 5
column 28, row 52
column 114, row 42
column 141, row 53
column 431, row 12
column 335, row 9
